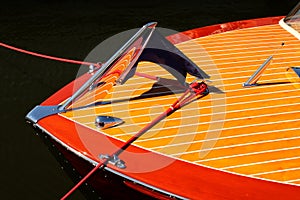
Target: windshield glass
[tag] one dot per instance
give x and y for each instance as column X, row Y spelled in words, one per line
column 293, row 18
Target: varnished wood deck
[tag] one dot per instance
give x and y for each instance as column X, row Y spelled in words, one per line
column 253, row 131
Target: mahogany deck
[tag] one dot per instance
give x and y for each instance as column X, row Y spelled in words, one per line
column 253, row 131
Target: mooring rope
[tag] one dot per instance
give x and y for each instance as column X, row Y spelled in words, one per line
column 47, row 56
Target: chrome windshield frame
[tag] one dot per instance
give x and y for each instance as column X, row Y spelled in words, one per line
column 292, row 13
column 292, row 17
column 107, row 64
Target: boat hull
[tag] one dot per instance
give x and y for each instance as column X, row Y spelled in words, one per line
column 102, row 183
column 193, row 181
column 161, row 174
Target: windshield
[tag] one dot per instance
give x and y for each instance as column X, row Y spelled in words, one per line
column 147, row 44
column 293, row 18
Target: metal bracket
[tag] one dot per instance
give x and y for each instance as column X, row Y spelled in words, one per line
column 114, row 160
column 40, row 112
column 92, row 69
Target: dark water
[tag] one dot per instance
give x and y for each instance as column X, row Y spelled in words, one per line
column 72, row 29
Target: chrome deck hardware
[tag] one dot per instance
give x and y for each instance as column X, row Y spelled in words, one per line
column 40, row 112
column 114, row 160
column 92, row 69
column 257, row 74
column 252, row 81
column 105, row 122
